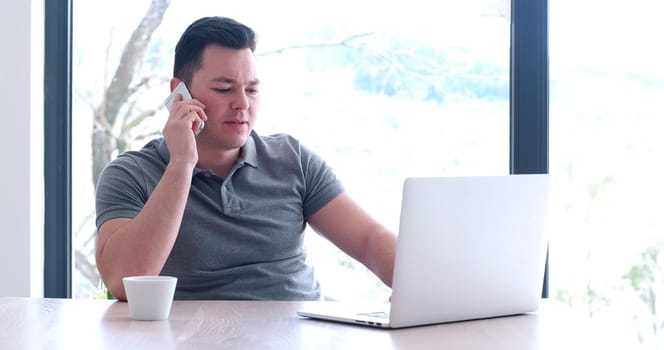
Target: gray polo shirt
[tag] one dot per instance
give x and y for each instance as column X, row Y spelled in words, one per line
column 241, row 237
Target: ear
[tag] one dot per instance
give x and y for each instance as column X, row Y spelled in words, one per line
column 174, row 83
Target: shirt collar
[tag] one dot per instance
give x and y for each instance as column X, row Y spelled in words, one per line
column 248, row 153
column 247, row 156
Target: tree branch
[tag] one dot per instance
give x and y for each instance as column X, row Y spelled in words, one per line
column 344, row 42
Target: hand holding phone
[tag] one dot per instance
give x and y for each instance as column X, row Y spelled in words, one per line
column 181, row 89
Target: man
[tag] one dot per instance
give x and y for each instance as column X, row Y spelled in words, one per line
column 225, row 210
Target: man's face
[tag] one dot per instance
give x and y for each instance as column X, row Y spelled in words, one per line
column 227, row 84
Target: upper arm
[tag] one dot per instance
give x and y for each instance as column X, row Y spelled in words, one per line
column 106, row 230
column 123, row 189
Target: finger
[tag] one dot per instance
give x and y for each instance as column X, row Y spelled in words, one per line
column 182, row 107
column 199, row 127
column 197, row 124
column 187, row 107
column 199, row 112
column 191, row 102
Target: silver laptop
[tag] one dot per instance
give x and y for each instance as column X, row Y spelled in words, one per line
column 468, row 248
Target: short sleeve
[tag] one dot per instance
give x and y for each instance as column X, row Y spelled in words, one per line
column 121, row 190
column 321, row 183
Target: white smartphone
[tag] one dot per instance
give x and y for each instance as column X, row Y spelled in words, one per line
column 181, row 89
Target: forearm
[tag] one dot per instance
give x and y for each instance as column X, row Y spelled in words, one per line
column 379, row 254
column 140, row 246
column 355, row 232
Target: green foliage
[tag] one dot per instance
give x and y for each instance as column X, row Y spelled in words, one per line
column 101, row 293
column 645, row 278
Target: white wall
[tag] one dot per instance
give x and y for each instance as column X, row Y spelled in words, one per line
column 21, row 147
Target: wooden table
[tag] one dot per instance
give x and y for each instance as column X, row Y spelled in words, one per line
column 28, row 323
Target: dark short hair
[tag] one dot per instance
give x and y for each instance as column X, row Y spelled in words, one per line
column 222, row 31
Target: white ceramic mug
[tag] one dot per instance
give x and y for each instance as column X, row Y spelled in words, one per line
column 149, row 297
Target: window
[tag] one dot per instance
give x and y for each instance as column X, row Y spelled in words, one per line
column 606, row 119
column 381, row 92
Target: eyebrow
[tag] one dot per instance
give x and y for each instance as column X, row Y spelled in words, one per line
column 224, row 79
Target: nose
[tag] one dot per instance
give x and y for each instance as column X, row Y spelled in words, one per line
column 241, row 101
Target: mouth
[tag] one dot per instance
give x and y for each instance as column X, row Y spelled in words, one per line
column 236, row 122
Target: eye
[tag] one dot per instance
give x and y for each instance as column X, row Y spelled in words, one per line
column 252, row 91
column 222, row 90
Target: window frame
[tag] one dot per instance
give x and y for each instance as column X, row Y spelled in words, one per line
column 529, row 118
column 529, row 94
column 57, row 149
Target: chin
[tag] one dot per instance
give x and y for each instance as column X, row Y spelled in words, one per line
column 237, row 142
